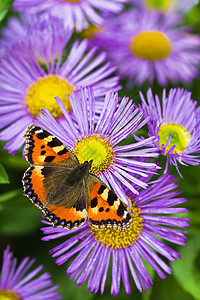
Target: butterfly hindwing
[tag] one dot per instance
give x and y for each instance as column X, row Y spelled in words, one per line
column 42, row 148
column 72, row 216
column 68, row 218
column 105, row 209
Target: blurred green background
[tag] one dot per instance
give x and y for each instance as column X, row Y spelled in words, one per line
column 20, row 221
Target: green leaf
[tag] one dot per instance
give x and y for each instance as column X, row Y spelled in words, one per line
column 186, row 270
column 168, row 289
column 191, row 183
column 3, row 175
column 18, row 216
column 13, row 162
column 19, row 220
column 193, row 206
column 192, row 17
column 75, row 292
column 10, row 195
column 4, row 7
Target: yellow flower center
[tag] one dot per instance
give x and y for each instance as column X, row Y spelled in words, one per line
column 42, row 93
column 159, row 4
column 91, row 31
column 120, row 238
column 180, row 137
column 151, row 45
column 9, row 295
column 97, row 149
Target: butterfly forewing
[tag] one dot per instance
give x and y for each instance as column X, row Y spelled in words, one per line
column 42, row 148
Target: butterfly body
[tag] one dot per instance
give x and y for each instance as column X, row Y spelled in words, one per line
column 64, row 190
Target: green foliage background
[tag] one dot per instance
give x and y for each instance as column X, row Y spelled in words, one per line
column 20, row 221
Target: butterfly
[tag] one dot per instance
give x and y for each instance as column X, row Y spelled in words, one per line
column 64, row 190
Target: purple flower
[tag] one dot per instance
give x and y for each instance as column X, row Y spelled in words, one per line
column 149, row 45
column 32, row 74
column 45, row 36
column 16, row 283
column 129, row 248
column 15, row 32
column 164, row 6
column 99, row 140
column 74, row 13
column 176, row 123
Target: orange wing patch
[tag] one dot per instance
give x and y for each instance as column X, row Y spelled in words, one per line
column 33, row 186
column 43, row 148
column 106, row 209
column 68, row 218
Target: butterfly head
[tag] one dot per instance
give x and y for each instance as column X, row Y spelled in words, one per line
column 86, row 166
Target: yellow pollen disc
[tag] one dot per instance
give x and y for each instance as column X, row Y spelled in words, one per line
column 159, row 4
column 9, row 295
column 151, row 45
column 97, row 149
column 41, row 94
column 120, row 238
column 91, row 31
column 180, row 137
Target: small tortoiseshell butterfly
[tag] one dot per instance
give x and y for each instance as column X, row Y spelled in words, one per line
column 64, row 190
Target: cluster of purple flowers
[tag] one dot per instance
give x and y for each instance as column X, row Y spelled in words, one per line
column 18, row 282
column 69, row 87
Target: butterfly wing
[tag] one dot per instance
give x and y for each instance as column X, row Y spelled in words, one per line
column 65, row 209
column 46, row 182
column 42, row 148
column 105, row 209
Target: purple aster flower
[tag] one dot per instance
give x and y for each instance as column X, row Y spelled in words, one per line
column 14, row 32
column 129, row 248
column 17, row 284
column 74, row 13
column 45, row 36
column 166, row 5
column 176, row 123
column 33, row 74
column 99, row 140
column 148, row 45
